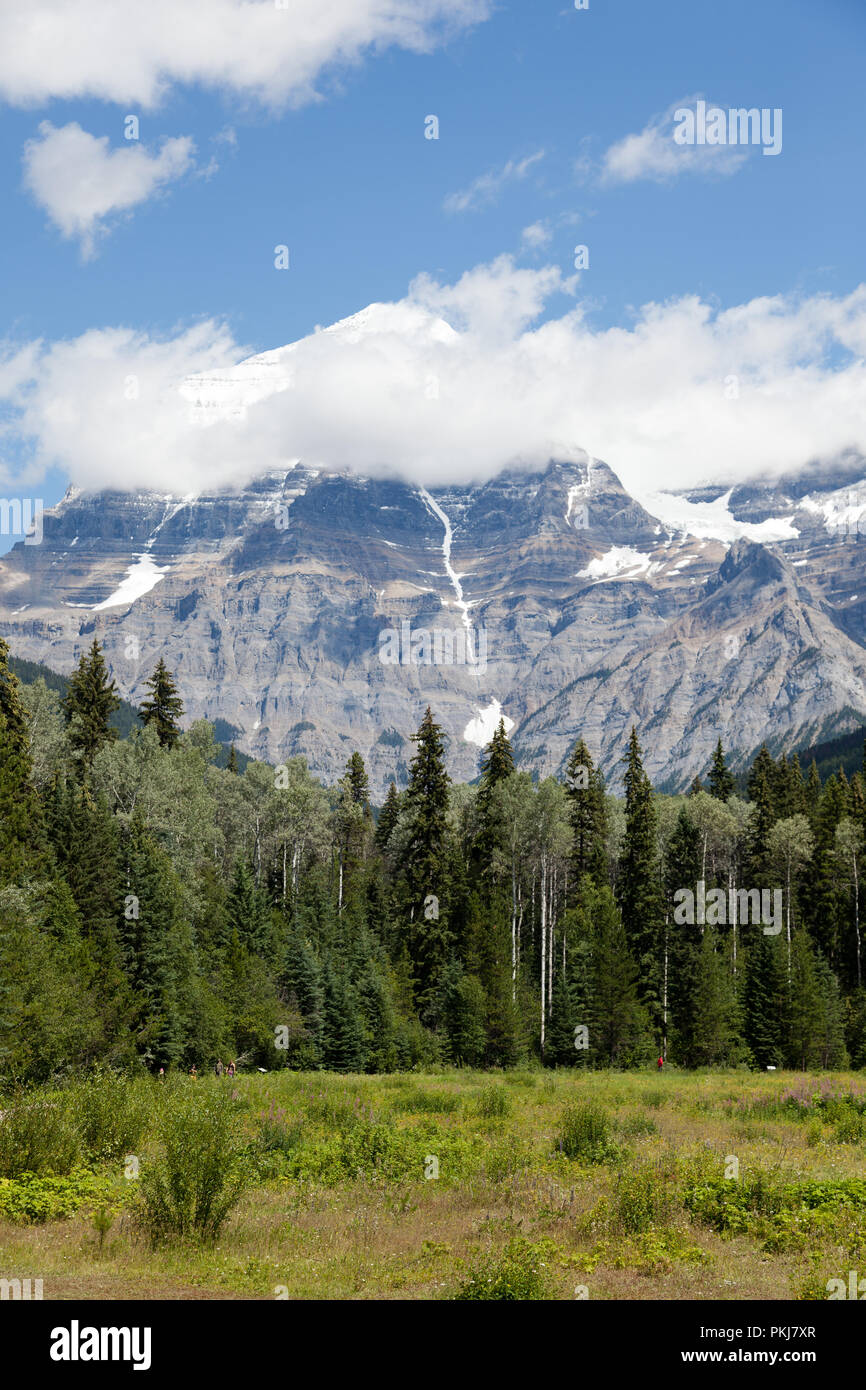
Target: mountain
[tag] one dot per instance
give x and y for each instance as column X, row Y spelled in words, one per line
column 315, row 611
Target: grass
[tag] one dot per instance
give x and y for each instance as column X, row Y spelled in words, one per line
column 455, row 1185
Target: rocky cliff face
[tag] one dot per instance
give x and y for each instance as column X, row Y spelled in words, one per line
column 319, row 612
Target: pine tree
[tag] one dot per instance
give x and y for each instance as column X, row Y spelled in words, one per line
column 721, row 780
column 618, row 1022
column 464, row 1009
column 164, row 708
column 342, row 1032
column 88, row 705
column 160, row 961
column 232, row 764
column 559, row 1047
column 301, row 985
column 22, row 843
column 639, row 885
column 425, row 860
column 763, row 1001
column 387, row 818
column 683, row 869
column 584, row 786
column 497, row 764
column 763, row 814
column 248, row 915
column 716, row 1039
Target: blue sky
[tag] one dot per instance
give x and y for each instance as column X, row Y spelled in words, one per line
column 361, row 198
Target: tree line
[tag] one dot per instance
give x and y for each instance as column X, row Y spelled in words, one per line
column 159, row 910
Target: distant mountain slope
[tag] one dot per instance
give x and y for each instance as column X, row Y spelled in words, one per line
column 316, row 612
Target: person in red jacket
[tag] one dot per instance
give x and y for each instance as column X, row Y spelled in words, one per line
column 661, row 1063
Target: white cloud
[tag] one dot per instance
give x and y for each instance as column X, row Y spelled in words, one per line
column 396, row 390
column 82, row 183
column 537, row 234
column 255, row 49
column 654, row 154
column 487, row 187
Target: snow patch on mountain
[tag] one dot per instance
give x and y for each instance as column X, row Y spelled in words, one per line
column 620, row 561
column 713, row 520
column 141, row 576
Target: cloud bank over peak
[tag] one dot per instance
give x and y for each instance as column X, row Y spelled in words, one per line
column 449, row 385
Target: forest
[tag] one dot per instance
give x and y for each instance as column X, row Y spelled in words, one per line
column 158, row 910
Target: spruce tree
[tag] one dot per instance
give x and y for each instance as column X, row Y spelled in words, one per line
column 301, row 985
column 584, row 786
column 342, row 1031
column 159, row 952
column 88, row 705
column 559, row 1046
column 618, row 1023
column 639, row 886
column 425, row 861
column 763, row 1001
column 761, row 784
column 387, row 818
column 248, row 914
column 721, row 780
column 164, row 707
column 464, row 1009
column 497, row 764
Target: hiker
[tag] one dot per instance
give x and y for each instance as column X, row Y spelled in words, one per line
column 162, row 1073
column 219, row 1068
column 193, row 1073
column 231, row 1069
column 661, row 1063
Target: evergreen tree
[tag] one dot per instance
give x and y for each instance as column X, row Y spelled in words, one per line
column 232, row 764
column 716, row 1039
column 425, row 860
column 559, row 1048
column 585, row 789
column 618, row 1023
column 721, row 780
column 763, row 1001
column 464, row 1009
column 762, row 776
column 88, row 705
column 247, row 911
column 639, row 883
column 387, row 818
column 342, row 1032
column 164, row 707
column 160, row 961
column 497, row 764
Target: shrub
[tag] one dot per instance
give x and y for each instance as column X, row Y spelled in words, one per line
column 514, row 1274
column 111, row 1112
column 32, row 1198
column 37, row 1136
column 198, row 1178
column 494, row 1102
column 634, row 1126
column 641, row 1200
column 584, row 1132
column 426, row 1103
